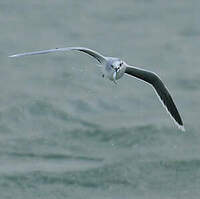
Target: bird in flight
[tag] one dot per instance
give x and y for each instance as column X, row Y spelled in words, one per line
column 115, row 68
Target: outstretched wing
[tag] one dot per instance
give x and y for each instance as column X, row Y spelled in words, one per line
column 100, row 58
column 160, row 89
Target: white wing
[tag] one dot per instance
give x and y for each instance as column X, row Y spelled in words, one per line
column 100, row 58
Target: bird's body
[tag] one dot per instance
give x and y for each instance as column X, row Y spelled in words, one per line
column 115, row 68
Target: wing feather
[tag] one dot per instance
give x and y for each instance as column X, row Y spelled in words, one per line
column 100, row 58
column 161, row 91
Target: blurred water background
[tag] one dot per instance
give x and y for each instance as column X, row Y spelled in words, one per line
column 65, row 132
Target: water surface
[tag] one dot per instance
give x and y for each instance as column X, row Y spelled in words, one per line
column 65, row 132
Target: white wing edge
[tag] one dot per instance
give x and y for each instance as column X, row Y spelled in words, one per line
column 88, row 51
column 182, row 128
column 40, row 52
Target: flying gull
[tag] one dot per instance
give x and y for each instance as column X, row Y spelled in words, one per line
column 114, row 69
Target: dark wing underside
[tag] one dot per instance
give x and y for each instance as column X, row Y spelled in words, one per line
column 160, row 89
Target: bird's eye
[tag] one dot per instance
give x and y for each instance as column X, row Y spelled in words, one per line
column 120, row 63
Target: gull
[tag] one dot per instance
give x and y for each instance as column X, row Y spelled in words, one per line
column 115, row 68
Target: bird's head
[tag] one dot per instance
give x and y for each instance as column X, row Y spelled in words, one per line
column 117, row 68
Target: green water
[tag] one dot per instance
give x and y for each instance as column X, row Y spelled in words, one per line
column 65, row 132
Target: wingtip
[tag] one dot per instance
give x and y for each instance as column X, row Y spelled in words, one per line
column 11, row 56
column 182, row 128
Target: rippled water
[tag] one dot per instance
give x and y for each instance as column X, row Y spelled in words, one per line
column 65, row 132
